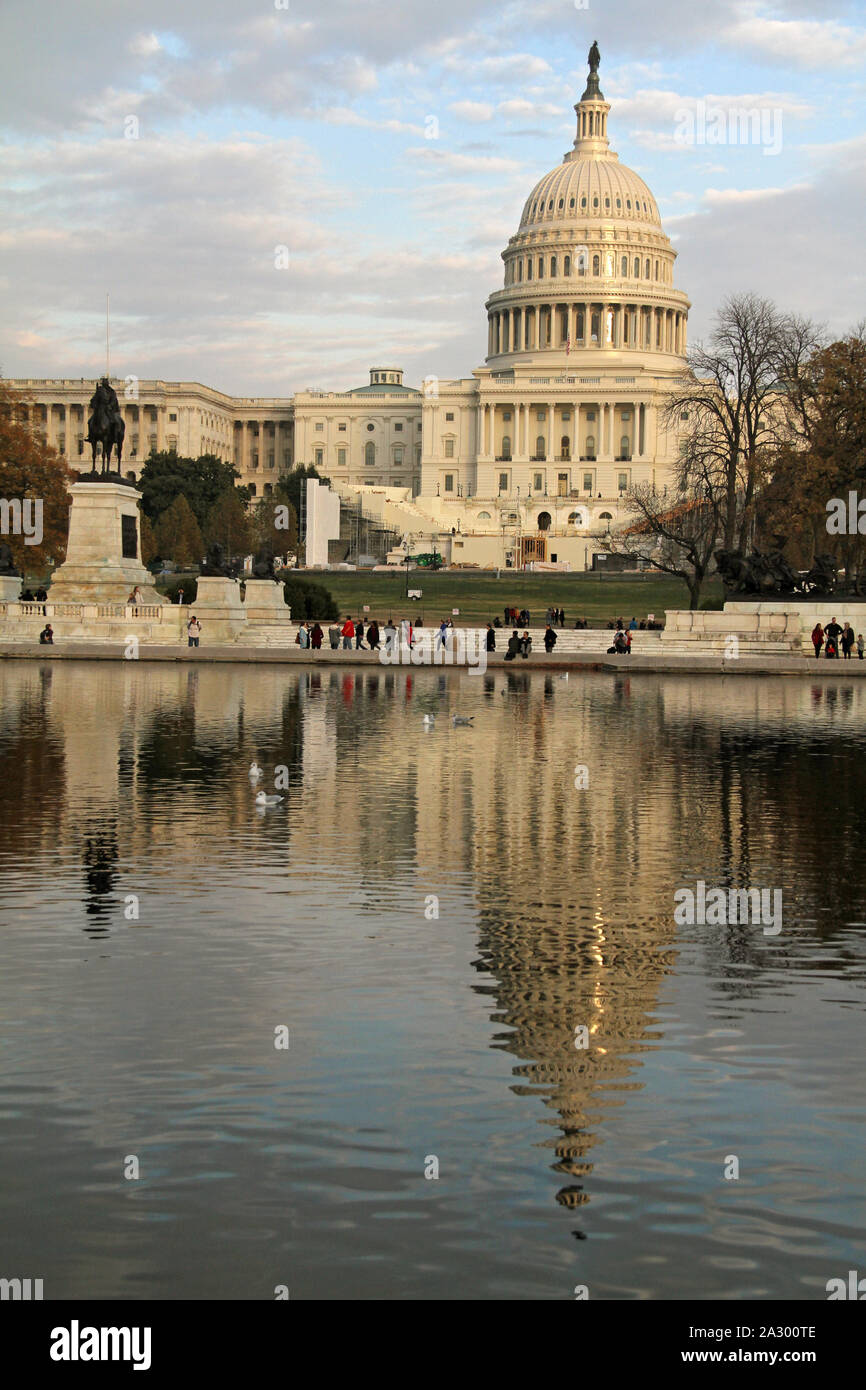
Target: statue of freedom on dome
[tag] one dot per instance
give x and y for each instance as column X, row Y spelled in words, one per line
column 594, row 57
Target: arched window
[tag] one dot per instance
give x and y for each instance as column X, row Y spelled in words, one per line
column 543, row 521
column 252, row 488
column 646, row 272
column 540, row 447
column 541, row 267
column 595, row 265
column 566, row 269
column 583, row 201
column 483, row 516
column 580, row 325
column 571, row 202
column 506, row 446
column 550, row 206
column 520, row 270
column 657, row 270
column 553, row 266
column 637, row 267
column 595, row 201
column 561, row 204
column 590, row 446
column 623, row 266
column 529, row 268
column 565, row 448
column 605, row 516
column 624, row 447
column 575, row 518
column 370, row 455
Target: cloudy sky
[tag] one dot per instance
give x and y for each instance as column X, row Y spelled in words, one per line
column 164, row 151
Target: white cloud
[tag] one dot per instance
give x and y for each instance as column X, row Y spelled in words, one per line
column 474, row 111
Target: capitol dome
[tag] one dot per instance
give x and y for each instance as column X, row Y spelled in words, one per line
column 590, row 266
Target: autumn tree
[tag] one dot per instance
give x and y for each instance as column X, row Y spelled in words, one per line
column 228, row 525
column 31, row 473
column 177, row 535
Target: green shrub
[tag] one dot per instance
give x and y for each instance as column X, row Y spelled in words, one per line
column 712, row 605
column 309, row 600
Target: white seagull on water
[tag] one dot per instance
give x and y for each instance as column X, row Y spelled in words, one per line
column 262, row 799
column 255, row 772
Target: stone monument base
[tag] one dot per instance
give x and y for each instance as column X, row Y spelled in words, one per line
column 103, row 554
column 265, row 602
column 10, row 588
column 219, row 609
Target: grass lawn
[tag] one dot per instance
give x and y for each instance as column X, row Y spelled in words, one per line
column 480, row 596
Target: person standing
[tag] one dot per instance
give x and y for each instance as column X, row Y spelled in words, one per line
column 373, row 636
column 334, row 636
column 491, row 638
column 817, row 638
column 525, row 645
column 847, row 641
column 406, row 632
column 390, row 636
column 359, row 636
column 442, row 635
column 831, row 634
column 513, row 646
column 193, row 631
column 860, row 645
column 549, row 639
column 303, row 637
column 348, row 632
column 316, row 637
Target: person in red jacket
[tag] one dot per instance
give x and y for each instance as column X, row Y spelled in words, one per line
column 348, row 633
column 817, row 638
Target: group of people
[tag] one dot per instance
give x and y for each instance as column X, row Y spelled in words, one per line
column 833, row 637
column 28, row 596
column 518, row 646
column 358, row 635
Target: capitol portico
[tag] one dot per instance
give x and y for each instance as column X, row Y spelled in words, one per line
column 527, row 460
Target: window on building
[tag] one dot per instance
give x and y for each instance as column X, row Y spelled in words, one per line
column 541, row 415
column 553, row 266
column 595, row 265
column 172, row 417
column 590, row 446
column 253, row 489
column 449, row 415
column 587, row 482
column 538, row 482
column 623, row 266
column 342, row 428
column 449, row 448
column 646, row 274
column 371, row 427
column 449, row 482
column 398, row 458
column 319, row 427
column 271, row 459
column 503, row 482
column 566, row 415
column 370, row 455
column 529, row 268
column 506, row 415
column 566, row 268
column 575, row 519
column 398, row 425
column 319, row 457
column 483, row 516
column 341, row 458
column 540, row 447
column 622, row 478
column 541, row 267
column 506, row 446
column 590, row 416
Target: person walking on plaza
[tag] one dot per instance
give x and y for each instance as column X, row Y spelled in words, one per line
column 860, row 645
column 316, row 637
column 390, row 636
column 334, row 636
column 817, row 638
column 373, row 636
column 359, row 636
column 348, row 632
column 549, row 639
column 193, row 631
column 491, row 638
column 442, row 635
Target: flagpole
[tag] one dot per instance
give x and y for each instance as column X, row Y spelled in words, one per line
column 107, row 341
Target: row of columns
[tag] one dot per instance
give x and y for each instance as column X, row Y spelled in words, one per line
column 253, row 436
column 593, row 323
column 67, row 423
column 524, row 438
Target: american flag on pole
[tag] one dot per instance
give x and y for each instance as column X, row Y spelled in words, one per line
column 567, row 346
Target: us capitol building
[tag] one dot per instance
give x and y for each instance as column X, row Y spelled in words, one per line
column 527, row 460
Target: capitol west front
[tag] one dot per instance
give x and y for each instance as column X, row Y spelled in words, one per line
column 527, row 460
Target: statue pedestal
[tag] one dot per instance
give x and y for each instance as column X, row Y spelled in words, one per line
column 219, row 609
column 265, row 602
column 10, row 588
column 103, row 554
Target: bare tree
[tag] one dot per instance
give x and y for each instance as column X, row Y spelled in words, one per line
column 731, row 401
column 678, row 529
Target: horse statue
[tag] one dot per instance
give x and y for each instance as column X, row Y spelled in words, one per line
column 105, row 425
column 738, row 574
